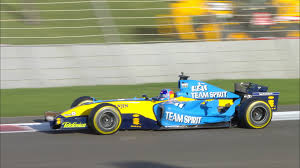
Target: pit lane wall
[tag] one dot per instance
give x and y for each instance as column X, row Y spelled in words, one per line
column 69, row 65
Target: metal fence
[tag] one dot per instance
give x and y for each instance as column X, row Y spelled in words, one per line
column 144, row 21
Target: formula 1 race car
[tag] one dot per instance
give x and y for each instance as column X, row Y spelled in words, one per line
column 197, row 104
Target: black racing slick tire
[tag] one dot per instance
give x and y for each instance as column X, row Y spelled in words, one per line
column 105, row 119
column 255, row 114
column 81, row 100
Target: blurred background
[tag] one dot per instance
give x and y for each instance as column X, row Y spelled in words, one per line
column 136, row 21
column 57, row 43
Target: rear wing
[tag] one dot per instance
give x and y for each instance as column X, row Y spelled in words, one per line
column 249, row 90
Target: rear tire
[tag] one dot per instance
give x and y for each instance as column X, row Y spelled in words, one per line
column 255, row 114
column 81, row 100
column 105, row 119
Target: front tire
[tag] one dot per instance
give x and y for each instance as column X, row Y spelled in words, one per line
column 105, row 119
column 255, row 114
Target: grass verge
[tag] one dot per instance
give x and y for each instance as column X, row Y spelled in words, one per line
column 27, row 102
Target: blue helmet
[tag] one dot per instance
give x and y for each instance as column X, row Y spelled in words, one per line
column 166, row 94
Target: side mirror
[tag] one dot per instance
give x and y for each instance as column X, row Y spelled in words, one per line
column 145, row 97
column 155, row 99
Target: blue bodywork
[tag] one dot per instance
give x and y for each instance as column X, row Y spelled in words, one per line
column 195, row 113
column 200, row 111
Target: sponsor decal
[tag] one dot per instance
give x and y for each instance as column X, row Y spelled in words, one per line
column 136, row 121
column 180, row 105
column 248, row 96
column 201, row 87
column 135, row 115
column 182, row 118
column 184, row 85
column 271, row 102
column 122, row 106
column 265, row 93
column 73, row 125
column 199, row 92
column 136, row 126
column 197, row 95
column 72, row 114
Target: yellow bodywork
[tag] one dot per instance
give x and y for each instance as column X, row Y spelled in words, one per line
column 144, row 108
column 222, row 102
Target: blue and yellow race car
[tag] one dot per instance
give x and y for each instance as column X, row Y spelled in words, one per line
column 197, row 104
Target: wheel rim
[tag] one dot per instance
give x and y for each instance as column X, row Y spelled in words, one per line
column 259, row 115
column 108, row 120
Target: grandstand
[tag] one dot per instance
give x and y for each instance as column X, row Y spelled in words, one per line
column 119, row 21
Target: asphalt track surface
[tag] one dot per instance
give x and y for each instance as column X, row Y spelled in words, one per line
column 276, row 146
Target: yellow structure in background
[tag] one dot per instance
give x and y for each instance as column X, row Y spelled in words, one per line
column 288, row 13
column 289, row 9
column 181, row 21
column 183, row 12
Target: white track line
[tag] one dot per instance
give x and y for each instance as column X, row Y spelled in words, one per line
column 282, row 116
column 43, row 127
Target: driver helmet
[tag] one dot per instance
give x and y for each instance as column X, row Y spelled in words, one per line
column 166, row 94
